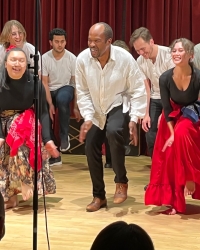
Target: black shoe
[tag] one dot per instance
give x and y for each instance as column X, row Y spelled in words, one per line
column 55, row 161
column 108, row 165
column 145, row 188
column 65, row 145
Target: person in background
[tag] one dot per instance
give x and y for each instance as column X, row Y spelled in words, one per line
column 104, row 74
column 175, row 170
column 153, row 60
column 14, row 34
column 120, row 235
column 58, row 77
column 17, row 136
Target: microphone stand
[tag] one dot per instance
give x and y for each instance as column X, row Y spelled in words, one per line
column 36, row 109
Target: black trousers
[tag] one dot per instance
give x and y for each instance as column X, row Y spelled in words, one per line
column 126, row 139
column 113, row 130
column 155, row 110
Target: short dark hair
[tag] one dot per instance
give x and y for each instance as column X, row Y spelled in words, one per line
column 57, row 32
column 120, row 235
column 142, row 32
column 108, row 32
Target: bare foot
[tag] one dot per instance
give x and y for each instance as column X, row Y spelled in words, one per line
column 12, row 202
column 170, row 211
column 189, row 188
column 27, row 191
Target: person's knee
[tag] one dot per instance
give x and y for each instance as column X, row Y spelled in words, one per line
column 65, row 96
column 182, row 128
column 113, row 133
column 150, row 138
column 91, row 144
column 63, row 103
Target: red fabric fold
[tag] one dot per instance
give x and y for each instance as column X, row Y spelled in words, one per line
column 179, row 163
column 22, row 131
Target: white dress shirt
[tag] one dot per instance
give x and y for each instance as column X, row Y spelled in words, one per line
column 153, row 71
column 100, row 90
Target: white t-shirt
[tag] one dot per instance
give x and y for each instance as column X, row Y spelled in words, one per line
column 27, row 48
column 59, row 71
column 197, row 56
column 153, row 71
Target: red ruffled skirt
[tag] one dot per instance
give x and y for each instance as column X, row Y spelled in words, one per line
column 177, row 164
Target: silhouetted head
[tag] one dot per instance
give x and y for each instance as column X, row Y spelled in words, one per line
column 122, row 236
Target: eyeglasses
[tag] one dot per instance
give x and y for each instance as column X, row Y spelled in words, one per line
column 17, row 33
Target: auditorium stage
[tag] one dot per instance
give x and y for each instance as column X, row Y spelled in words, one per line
column 72, row 228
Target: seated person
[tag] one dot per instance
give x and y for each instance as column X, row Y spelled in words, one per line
column 58, row 77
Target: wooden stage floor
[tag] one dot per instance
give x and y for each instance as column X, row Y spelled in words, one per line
column 72, row 228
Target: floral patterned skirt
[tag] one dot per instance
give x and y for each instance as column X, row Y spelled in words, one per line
column 16, row 170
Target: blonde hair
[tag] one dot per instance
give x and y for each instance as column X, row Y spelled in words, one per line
column 7, row 29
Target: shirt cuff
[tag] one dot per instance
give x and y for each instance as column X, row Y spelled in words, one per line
column 134, row 118
column 88, row 117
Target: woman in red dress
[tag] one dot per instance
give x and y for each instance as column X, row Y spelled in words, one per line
column 175, row 170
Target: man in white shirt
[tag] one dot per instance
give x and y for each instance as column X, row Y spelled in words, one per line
column 104, row 73
column 58, row 77
column 196, row 60
column 153, row 61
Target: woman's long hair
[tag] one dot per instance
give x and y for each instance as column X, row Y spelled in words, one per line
column 4, row 37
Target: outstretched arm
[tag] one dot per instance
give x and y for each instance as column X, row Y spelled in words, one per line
column 84, row 100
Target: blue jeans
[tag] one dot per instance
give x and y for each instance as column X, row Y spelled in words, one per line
column 61, row 99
